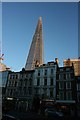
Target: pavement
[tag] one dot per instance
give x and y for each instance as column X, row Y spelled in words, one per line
column 35, row 116
column 25, row 115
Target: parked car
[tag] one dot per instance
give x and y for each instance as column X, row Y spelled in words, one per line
column 52, row 112
column 8, row 117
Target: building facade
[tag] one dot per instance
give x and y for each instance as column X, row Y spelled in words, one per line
column 48, row 81
column 45, row 80
column 77, row 78
column 66, row 95
column 75, row 62
column 20, row 88
column 24, row 85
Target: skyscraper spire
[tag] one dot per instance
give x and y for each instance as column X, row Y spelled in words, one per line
column 35, row 55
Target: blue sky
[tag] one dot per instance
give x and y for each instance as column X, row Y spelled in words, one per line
column 60, row 31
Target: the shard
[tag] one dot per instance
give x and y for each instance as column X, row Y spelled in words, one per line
column 35, row 56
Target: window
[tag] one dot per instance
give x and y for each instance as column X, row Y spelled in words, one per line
column 61, row 85
column 61, row 69
column 69, row 95
column 22, row 76
column 15, row 84
column 67, row 69
column 51, row 81
column 14, row 92
column 11, row 92
column 26, row 82
column 10, row 76
column 26, row 75
column 61, row 95
column 72, row 75
column 9, row 83
column 61, row 76
column 45, row 91
column 78, row 97
column 36, row 91
column 20, row 82
column 51, row 92
column 45, row 72
column 45, row 81
column 68, row 85
column 13, row 76
column 25, row 92
column 30, row 82
column 68, row 76
column 16, row 76
column 30, row 91
column 51, row 71
column 38, row 82
column 38, row 72
column 78, row 86
column 64, row 76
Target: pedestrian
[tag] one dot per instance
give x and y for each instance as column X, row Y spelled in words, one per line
column 42, row 107
column 37, row 104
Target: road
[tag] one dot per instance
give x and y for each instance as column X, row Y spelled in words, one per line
column 36, row 116
column 25, row 115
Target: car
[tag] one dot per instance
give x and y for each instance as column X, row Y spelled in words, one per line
column 52, row 112
column 8, row 117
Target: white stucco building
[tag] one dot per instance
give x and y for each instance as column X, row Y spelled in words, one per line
column 45, row 80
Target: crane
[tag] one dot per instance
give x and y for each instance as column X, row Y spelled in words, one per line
column 1, row 57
